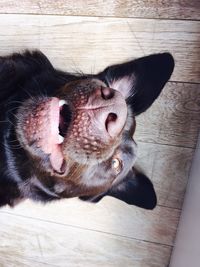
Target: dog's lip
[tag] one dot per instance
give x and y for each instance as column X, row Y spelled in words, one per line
column 54, row 111
column 53, row 146
column 50, row 140
column 38, row 130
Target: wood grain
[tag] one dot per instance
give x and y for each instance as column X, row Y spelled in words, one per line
column 174, row 118
column 111, row 233
column 181, row 9
column 59, row 245
column 168, row 167
column 109, row 216
column 91, row 44
column 7, row 259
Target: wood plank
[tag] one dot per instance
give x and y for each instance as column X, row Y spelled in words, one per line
column 15, row 261
column 58, row 245
column 174, row 118
column 109, row 216
column 116, row 8
column 168, row 167
column 90, row 44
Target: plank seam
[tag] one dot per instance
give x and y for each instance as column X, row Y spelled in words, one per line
column 99, row 16
column 85, row 228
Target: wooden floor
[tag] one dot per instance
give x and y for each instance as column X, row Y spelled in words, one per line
column 89, row 35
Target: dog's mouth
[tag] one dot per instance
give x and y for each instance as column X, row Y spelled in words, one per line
column 60, row 118
column 42, row 127
column 65, row 117
column 52, row 126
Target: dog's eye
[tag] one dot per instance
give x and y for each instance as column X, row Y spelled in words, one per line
column 117, row 165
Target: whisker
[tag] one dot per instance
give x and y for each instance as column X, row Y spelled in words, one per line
column 10, row 122
column 76, row 69
column 41, row 93
column 28, row 93
column 16, row 147
column 15, row 102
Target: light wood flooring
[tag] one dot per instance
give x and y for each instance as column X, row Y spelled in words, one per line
column 89, row 35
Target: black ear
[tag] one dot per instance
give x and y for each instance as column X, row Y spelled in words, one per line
column 140, row 80
column 136, row 189
column 17, row 68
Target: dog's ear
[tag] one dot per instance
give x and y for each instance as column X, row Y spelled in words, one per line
column 140, row 80
column 136, row 189
column 17, row 68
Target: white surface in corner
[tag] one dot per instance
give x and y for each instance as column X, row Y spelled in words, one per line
column 187, row 245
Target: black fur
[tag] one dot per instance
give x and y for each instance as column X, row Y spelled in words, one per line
column 31, row 75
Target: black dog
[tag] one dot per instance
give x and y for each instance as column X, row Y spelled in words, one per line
column 70, row 135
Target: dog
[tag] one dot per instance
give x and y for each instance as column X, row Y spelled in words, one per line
column 67, row 135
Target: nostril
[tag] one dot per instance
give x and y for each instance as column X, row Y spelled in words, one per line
column 107, row 93
column 112, row 117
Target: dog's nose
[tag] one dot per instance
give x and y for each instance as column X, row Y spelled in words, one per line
column 104, row 93
column 115, row 119
column 107, row 93
column 112, row 112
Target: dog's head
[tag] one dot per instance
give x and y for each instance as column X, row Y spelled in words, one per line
column 78, row 139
